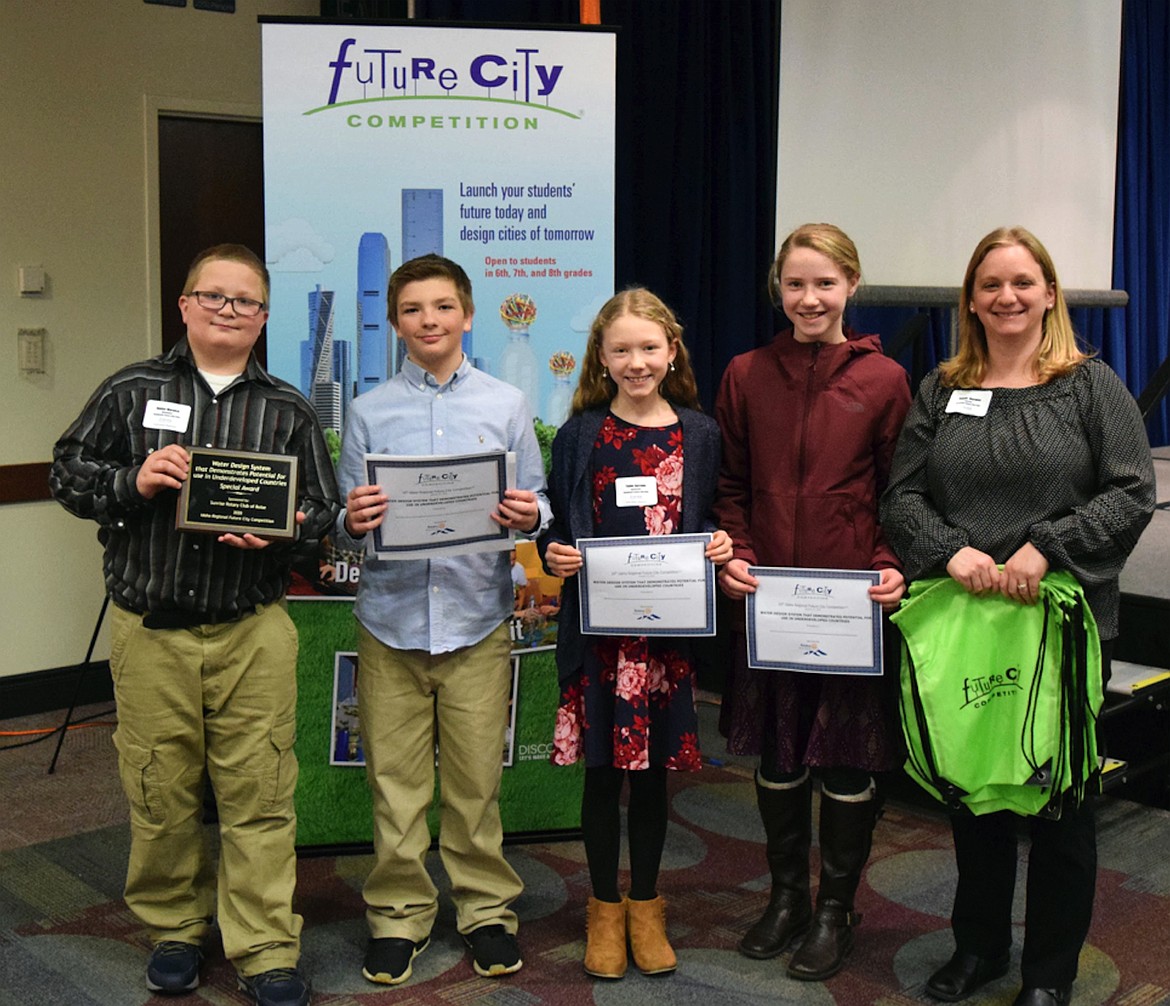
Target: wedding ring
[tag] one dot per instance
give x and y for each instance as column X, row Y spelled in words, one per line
column 1021, row 585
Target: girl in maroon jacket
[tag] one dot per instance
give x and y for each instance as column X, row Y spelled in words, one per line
column 809, row 425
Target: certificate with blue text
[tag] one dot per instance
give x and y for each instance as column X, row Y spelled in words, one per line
column 657, row 585
column 819, row 620
column 440, row 505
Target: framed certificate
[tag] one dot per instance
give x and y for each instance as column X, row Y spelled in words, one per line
column 440, row 505
column 239, row 492
column 819, row 620
column 656, row 585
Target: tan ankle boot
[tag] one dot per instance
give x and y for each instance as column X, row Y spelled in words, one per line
column 605, row 938
column 648, row 942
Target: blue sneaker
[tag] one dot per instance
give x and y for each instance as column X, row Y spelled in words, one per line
column 278, row 987
column 173, row 967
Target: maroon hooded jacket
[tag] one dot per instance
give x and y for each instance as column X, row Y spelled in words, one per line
column 808, row 435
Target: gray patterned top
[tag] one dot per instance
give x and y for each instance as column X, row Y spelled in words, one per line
column 1065, row 465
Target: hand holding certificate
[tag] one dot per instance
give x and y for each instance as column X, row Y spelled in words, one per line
column 436, row 505
column 820, row 620
column 659, row 585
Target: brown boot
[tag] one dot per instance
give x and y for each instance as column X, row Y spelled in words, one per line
column 651, row 949
column 605, row 938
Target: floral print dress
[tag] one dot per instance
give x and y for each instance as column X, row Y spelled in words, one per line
column 633, row 703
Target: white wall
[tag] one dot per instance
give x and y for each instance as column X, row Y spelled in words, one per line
column 82, row 82
column 919, row 126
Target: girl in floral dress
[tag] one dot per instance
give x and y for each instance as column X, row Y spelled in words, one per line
column 627, row 703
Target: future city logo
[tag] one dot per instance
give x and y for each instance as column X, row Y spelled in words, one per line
column 362, row 75
column 979, row 691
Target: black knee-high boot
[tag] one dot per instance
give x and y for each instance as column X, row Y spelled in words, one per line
column 846, row 834
column 786, row 810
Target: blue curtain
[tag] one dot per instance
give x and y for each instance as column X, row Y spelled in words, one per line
column 1134, row 341
column 698, row 107
column 696, row 157
column 918, row 338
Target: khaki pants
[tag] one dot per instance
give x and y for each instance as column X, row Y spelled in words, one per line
column 221, row 696
column 402, row 694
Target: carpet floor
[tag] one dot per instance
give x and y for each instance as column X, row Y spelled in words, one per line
column 67, row 938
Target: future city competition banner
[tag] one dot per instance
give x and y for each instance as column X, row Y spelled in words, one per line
column 492, row 146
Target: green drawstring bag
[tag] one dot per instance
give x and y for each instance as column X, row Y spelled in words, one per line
column 999, row 700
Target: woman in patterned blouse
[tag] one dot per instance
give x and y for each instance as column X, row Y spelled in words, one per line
column 1020, row 454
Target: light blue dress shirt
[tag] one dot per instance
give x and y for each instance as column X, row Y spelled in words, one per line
column 448, row 602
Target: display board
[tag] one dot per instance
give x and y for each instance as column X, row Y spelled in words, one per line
column 491, row 146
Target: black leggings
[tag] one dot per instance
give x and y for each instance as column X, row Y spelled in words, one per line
column 645, row 820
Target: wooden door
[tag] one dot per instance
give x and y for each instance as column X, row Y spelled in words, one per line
column 210, row 190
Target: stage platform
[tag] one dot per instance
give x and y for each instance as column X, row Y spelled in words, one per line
column 1147, row 574
column 1135, row 723
column 1145, row 583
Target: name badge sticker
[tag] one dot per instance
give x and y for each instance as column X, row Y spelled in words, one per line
column 969, row 403
column 639, row 491
column 167, row 416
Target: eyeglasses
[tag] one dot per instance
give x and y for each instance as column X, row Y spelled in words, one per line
column 245, row 307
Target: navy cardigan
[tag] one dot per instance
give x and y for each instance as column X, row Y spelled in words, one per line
column 570, row 490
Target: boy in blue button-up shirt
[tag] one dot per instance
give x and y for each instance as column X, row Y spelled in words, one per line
column 434, row 645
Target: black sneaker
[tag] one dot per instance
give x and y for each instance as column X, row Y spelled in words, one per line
column 388, row 959
column 278, row 987
column 494, row 951
column 173, row 967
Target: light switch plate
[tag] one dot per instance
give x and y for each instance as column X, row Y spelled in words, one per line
column 31, row 350
column 32, row 279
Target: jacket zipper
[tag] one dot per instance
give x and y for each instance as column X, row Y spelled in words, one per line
column 815, row 350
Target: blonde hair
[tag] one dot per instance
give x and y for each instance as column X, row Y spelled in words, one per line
column 1058, row 352
column 595, row 387
column 829, row 240
column 240, row 254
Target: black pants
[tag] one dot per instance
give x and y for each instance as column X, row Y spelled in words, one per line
column 1062, row 877
column 1062, row 881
